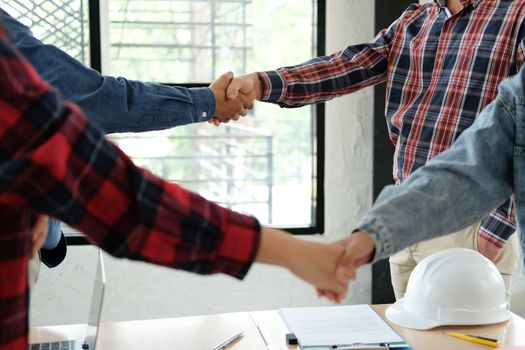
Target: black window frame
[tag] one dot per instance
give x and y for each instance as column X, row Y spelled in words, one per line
column 95, row 46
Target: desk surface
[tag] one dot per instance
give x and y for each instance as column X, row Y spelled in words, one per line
column 203, row 332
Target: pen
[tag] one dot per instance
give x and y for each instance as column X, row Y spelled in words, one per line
column 225, row 342
column 360, row 346
column 475, row 339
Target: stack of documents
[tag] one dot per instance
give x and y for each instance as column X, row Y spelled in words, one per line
column 341, row 327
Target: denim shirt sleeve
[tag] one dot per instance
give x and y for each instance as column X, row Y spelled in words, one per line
column 453, row 190
column 115, row 104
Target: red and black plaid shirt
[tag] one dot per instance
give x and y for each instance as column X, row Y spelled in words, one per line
column 53, row 161
column 440, row 71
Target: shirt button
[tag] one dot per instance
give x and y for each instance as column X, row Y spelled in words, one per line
column 204, row 114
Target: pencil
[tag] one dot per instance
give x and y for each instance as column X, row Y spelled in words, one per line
column 475, row 339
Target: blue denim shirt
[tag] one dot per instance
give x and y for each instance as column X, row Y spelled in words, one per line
column 458, row 187
column 115, row 104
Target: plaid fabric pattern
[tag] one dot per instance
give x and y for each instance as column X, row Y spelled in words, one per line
column 53, row 161
column 440, row 71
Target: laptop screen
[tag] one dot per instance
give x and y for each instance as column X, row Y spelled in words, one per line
column 96, row 304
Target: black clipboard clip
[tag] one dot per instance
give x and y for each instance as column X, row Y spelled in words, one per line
column 361, row 346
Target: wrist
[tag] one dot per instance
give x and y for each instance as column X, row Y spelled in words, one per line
column 257, row 85
column 277, row 248
column 367, row 245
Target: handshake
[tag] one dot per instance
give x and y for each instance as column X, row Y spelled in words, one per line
column 329, row 267
column 234, row 96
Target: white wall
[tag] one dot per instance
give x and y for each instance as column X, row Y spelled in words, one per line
column 139, row 291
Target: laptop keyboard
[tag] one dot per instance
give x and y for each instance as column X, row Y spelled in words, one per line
column 56, row 345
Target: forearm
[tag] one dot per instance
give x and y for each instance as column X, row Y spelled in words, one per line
column 323, row 78
column 279, row 248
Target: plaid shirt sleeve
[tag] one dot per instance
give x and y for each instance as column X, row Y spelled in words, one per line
column 499, row 225
column 53, row 161
column 326, row 77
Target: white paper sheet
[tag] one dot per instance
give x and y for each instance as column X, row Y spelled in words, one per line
column 337, row 325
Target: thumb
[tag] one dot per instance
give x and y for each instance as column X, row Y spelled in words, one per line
column 223, row 80
column 247, row 86
column 346, row 267
column 239, row 84
column 227, row 76
column 359, row 250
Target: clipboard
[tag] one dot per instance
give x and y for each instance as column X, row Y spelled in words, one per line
column 348, row 327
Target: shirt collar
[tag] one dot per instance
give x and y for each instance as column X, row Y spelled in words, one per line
column 465, row 3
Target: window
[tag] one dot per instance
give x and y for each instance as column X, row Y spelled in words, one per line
column 268, row 164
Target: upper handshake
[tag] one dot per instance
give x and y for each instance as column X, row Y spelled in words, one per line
column 234, row 96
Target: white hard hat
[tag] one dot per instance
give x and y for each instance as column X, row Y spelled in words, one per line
column 452, row 287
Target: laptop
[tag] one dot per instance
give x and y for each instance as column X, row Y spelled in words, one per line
column 90, row 340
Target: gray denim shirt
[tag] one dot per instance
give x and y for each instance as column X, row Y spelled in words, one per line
column 458, row 187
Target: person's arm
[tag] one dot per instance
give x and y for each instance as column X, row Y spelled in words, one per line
column 450, row 192
column 117, row 104
column 326, row 77
column 455, row 189
column 500, row 224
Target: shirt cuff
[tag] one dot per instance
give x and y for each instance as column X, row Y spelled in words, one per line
column 381, row 235
column 495, row 231
column 204, row 104
column 273, row 86
column 53, row 234
column 240, row 245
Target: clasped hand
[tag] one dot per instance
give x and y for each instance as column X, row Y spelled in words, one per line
column 230, row 108
column 357, row 250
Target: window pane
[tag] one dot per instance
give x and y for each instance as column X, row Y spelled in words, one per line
column 262, row 165
column 63, row 23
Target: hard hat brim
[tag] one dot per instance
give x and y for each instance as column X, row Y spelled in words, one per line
column 396, row 313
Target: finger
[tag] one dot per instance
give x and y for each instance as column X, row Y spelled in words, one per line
column 330, row 295
column 248, row 85
column 339, row 294
column 216, row 122
column 243, row 113
column 227, row 76
column 246, row 102
column 233, row 89
column 345, row 273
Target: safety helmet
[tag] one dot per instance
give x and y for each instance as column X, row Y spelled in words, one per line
column 452, row 287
